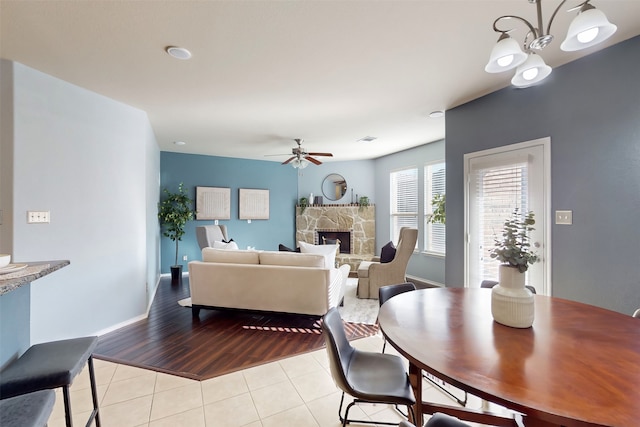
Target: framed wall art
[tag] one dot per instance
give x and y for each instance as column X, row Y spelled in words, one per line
column 213, row 203
column 254, row 204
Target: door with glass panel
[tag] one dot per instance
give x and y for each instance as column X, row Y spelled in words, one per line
column 499, row 181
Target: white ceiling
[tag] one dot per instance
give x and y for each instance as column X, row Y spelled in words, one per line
column 266, row 72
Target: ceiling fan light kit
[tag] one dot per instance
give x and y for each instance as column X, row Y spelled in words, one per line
column 587, row 29
column 301, row 158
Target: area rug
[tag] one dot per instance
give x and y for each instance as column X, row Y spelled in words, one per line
column 354, row 309
column 218, row 342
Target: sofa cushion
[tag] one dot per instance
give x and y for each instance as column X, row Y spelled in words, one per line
column 328, row 251
column 292, row 259
column 230, row 256
column 284, row 248
column 388, row 253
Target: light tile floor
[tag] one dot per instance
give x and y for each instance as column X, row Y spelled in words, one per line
column 297, row 391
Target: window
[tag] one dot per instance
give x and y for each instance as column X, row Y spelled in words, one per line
column 498, row 191
column 434, row 184
column 404, row 200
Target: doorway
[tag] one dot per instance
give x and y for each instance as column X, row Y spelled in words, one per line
column 498, row 181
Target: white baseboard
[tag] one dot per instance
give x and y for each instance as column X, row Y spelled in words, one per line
column 137, row 318
column 122, row 324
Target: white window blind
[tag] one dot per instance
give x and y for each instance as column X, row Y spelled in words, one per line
column 498, row 191
column 434, row 183
column 404, row 200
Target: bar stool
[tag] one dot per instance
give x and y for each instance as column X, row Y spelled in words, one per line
column 28, row 410
column 49, row 366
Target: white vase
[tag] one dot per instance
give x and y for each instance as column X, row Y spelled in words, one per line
column 511, row 303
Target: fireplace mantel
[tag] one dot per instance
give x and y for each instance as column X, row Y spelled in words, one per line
column 360, row 221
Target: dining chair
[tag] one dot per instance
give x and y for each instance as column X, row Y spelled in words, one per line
column 368, row 377
column 387, row 292
column 438, row 420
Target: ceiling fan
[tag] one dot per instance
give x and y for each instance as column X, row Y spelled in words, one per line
column 300, row 155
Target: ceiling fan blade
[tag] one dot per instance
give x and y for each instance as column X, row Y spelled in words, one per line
column 288, row 160
column 312, row 160
column 274, row 155
column 320, row 154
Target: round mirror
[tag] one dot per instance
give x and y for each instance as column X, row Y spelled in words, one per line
column 334, row 187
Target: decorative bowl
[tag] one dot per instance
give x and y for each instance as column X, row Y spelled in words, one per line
column 5, row 259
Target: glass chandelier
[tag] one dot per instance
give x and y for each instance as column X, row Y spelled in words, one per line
column 587, row 29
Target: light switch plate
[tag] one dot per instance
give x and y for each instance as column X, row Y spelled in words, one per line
column 564, row 217
column 37, row 217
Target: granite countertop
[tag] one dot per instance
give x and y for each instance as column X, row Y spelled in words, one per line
column 33, row 271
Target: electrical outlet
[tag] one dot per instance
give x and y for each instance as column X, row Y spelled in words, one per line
column 184, row 257
column 564, row 217
column 37, row 217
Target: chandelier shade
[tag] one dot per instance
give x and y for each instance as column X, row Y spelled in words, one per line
column 505, row 55
column 587, row 29
column 532, row 71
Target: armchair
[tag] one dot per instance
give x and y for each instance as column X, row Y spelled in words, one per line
column 372, row 274
column 207, row 234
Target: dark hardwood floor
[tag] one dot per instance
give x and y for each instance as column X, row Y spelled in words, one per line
column 222, row 341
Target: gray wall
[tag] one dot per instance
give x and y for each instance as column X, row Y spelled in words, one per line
column 423, row 266
column 591, row 110
column 94, row 164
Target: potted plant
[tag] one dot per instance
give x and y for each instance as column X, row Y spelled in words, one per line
column 511, row 303
column 174, row 211
column 438, row 216
column 514, row 250
column 303, row 202
column 363, row 202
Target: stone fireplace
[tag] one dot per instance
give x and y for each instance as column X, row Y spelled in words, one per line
column 354, row 225
column 329, row 236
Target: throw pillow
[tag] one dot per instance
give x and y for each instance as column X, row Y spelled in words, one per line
column 283, row 248
column 222, row 245
column 388, row 253
column 329, row 252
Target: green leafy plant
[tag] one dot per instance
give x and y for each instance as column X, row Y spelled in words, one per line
column 515, row 249
column 303, row 202
column 364, row 201
column 174, row 212
column 438, row 216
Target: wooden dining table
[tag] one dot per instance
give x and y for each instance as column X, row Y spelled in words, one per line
column 578, row 365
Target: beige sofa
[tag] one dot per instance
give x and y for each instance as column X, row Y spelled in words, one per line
column 265, row 281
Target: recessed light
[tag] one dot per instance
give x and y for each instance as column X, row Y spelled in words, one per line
column 367, row 139
column 436, row 114
column 179, row 143
column 178, row 52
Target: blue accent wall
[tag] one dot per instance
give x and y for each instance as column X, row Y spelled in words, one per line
column 591, row 110
column 211, row 171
